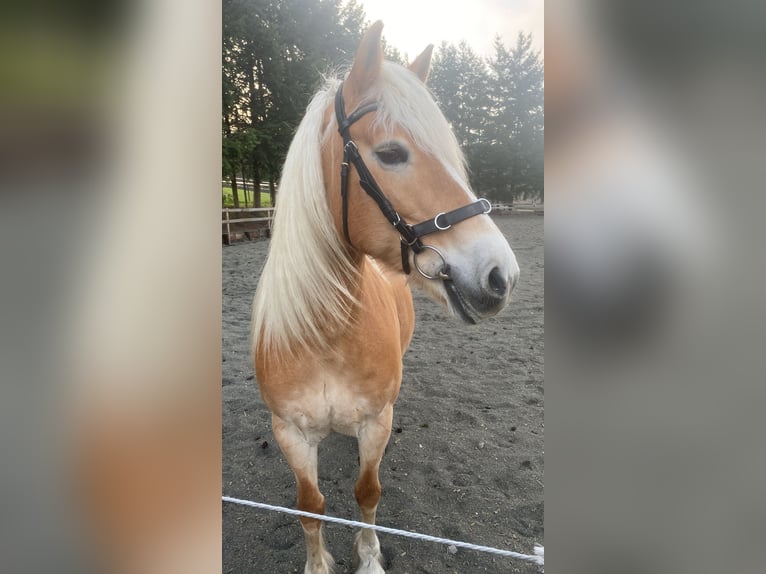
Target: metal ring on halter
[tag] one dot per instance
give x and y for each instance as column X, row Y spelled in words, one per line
column 489, row 205
column 436, row 222
column 441, row 274
column 411, row 243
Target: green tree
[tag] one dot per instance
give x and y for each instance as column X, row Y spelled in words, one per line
column 274, row 52
column 517, row 112
column 459, row 80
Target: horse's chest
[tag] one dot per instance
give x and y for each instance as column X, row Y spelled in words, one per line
column 336, row 404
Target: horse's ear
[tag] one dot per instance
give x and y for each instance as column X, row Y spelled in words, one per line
column 368, row 62
column 422, row 63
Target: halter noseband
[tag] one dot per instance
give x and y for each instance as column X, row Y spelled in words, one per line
column 410, row 234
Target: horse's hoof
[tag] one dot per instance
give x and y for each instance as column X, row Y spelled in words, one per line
column 367, row 556
column 326, row 565
column 371, row 565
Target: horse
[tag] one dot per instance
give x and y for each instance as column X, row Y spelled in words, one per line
column 333, row 312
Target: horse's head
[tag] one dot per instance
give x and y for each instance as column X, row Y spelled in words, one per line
column 404, row 141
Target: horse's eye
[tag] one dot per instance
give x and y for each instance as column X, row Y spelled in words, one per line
column 392, row 154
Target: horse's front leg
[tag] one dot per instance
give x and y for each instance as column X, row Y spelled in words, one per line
column 301, row 455
column 372, row 438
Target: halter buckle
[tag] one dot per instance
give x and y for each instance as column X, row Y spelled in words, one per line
column 436, row 222
column 486, row 202
column 410, row 243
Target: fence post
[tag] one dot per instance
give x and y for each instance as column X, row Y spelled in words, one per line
column 228, row 229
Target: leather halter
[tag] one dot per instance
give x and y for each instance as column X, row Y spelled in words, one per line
column 410, row 234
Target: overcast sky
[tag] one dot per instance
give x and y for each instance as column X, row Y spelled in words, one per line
column 410, row 25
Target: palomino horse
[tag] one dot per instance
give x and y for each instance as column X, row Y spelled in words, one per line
column 333, row 311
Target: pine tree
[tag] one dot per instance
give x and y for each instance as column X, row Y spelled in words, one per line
column 274, row 55
column 517, row 112
column 460, row 82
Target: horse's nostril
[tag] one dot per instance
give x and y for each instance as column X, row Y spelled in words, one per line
column 497, row 283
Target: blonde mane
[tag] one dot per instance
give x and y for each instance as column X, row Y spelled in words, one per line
column 306, row 286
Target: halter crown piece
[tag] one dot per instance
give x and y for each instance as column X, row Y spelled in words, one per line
column 410, row 234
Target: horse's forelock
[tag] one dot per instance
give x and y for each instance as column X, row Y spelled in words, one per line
column 407, row 103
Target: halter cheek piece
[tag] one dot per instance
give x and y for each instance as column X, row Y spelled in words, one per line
column 410, row 234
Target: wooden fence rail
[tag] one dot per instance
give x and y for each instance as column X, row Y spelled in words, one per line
column 227, row 220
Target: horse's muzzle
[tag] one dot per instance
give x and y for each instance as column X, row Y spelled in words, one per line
column 472, row 302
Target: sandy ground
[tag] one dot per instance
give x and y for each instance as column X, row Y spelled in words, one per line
column 465, row 459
